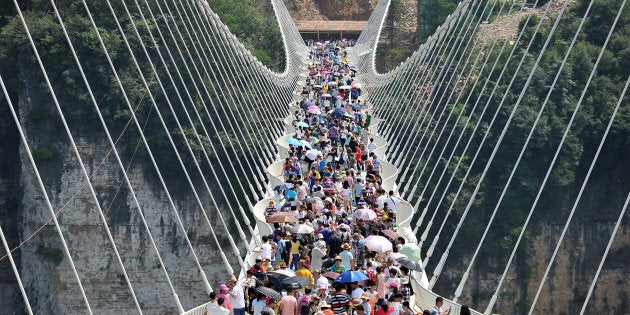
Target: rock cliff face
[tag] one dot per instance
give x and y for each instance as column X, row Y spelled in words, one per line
column 47, row 273
column 331, row 9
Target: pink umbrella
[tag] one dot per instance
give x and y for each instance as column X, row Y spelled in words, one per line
column 365, row 214
column 324, row 72
column 391, row 234
column 313, row 107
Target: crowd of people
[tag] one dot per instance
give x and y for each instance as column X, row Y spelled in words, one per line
column 331, row 216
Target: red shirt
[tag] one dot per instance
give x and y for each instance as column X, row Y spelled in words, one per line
column 380, row 310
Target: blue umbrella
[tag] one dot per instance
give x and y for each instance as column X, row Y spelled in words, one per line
column 306, row 143
column 293, row 141
column 338, row 113
column 351, row 276
column 301, row 124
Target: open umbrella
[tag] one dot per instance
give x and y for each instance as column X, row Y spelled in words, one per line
column 351, row 276
column 345, row 87
column 317, row 86
column 395, row 256
column 284, row 186
column 269, row 292
column 301, row 124
column 296, row 282
column 330, row 275
column 312, row 154
column 306, row 144
column 412, row 265
column 314, row 111
column 378, row 243
column 391, row 234
column 305, row 229
column 365, row 214
column 281, row 217
column 282, row 273
column 338, row 113
column 293, row 141
column 411, row 250
column 326, row 95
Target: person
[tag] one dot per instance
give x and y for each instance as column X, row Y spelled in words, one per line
column 288, row 303
column 325, row 308
column 347, row 259
column 271, row 208
column 304, row 272
column 219, row 309
column 211, row 304
column 270, row 308
column 295, row 252
column 465, row 310
column 357, row 291
column 437, row 308
column 317, row 253
column 223, row 291
column 394, row 201
column 339, row 301
column 258, row 305
column 383, row 307
column 337, row 267
column 237, row 297
column 320, row 280
column 406, row 310
column 265, row 248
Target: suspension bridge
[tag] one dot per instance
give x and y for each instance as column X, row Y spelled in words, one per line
column 192, row 139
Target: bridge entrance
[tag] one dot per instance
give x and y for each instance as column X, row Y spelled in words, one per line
column 310, row 29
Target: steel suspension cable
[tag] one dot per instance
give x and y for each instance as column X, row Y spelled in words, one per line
column 40, row 183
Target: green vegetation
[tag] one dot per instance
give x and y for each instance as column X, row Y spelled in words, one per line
column 602, row 198
column 51, row 254
column 254, row 23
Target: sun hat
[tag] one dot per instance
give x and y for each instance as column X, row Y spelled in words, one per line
column 365, row 296
column 223, row 287
column 337, row 258
column 345, row 246
column 320, row 235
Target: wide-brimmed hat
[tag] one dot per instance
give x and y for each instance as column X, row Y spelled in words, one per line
column 324, row 304
column 337, row 258
column 223, row 287
column 345, row 246
column 356, row 302
column 366, row 296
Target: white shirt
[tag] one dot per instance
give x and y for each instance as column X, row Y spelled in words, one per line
column 371, row 147
column 380, row 201
column 357, row 293
column 392, row 202
column 322, row 281
column 218, row 310
column 266, row 250
column 239, row 300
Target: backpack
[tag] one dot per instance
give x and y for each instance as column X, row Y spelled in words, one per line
column 304, row 305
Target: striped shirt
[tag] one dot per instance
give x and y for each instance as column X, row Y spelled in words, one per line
column 339, row 303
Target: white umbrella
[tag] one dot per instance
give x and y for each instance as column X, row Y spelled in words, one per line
column 378, row 243
column 305, row 229
column 312, row 154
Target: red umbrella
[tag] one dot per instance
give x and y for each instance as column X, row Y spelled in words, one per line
column 330, row 275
